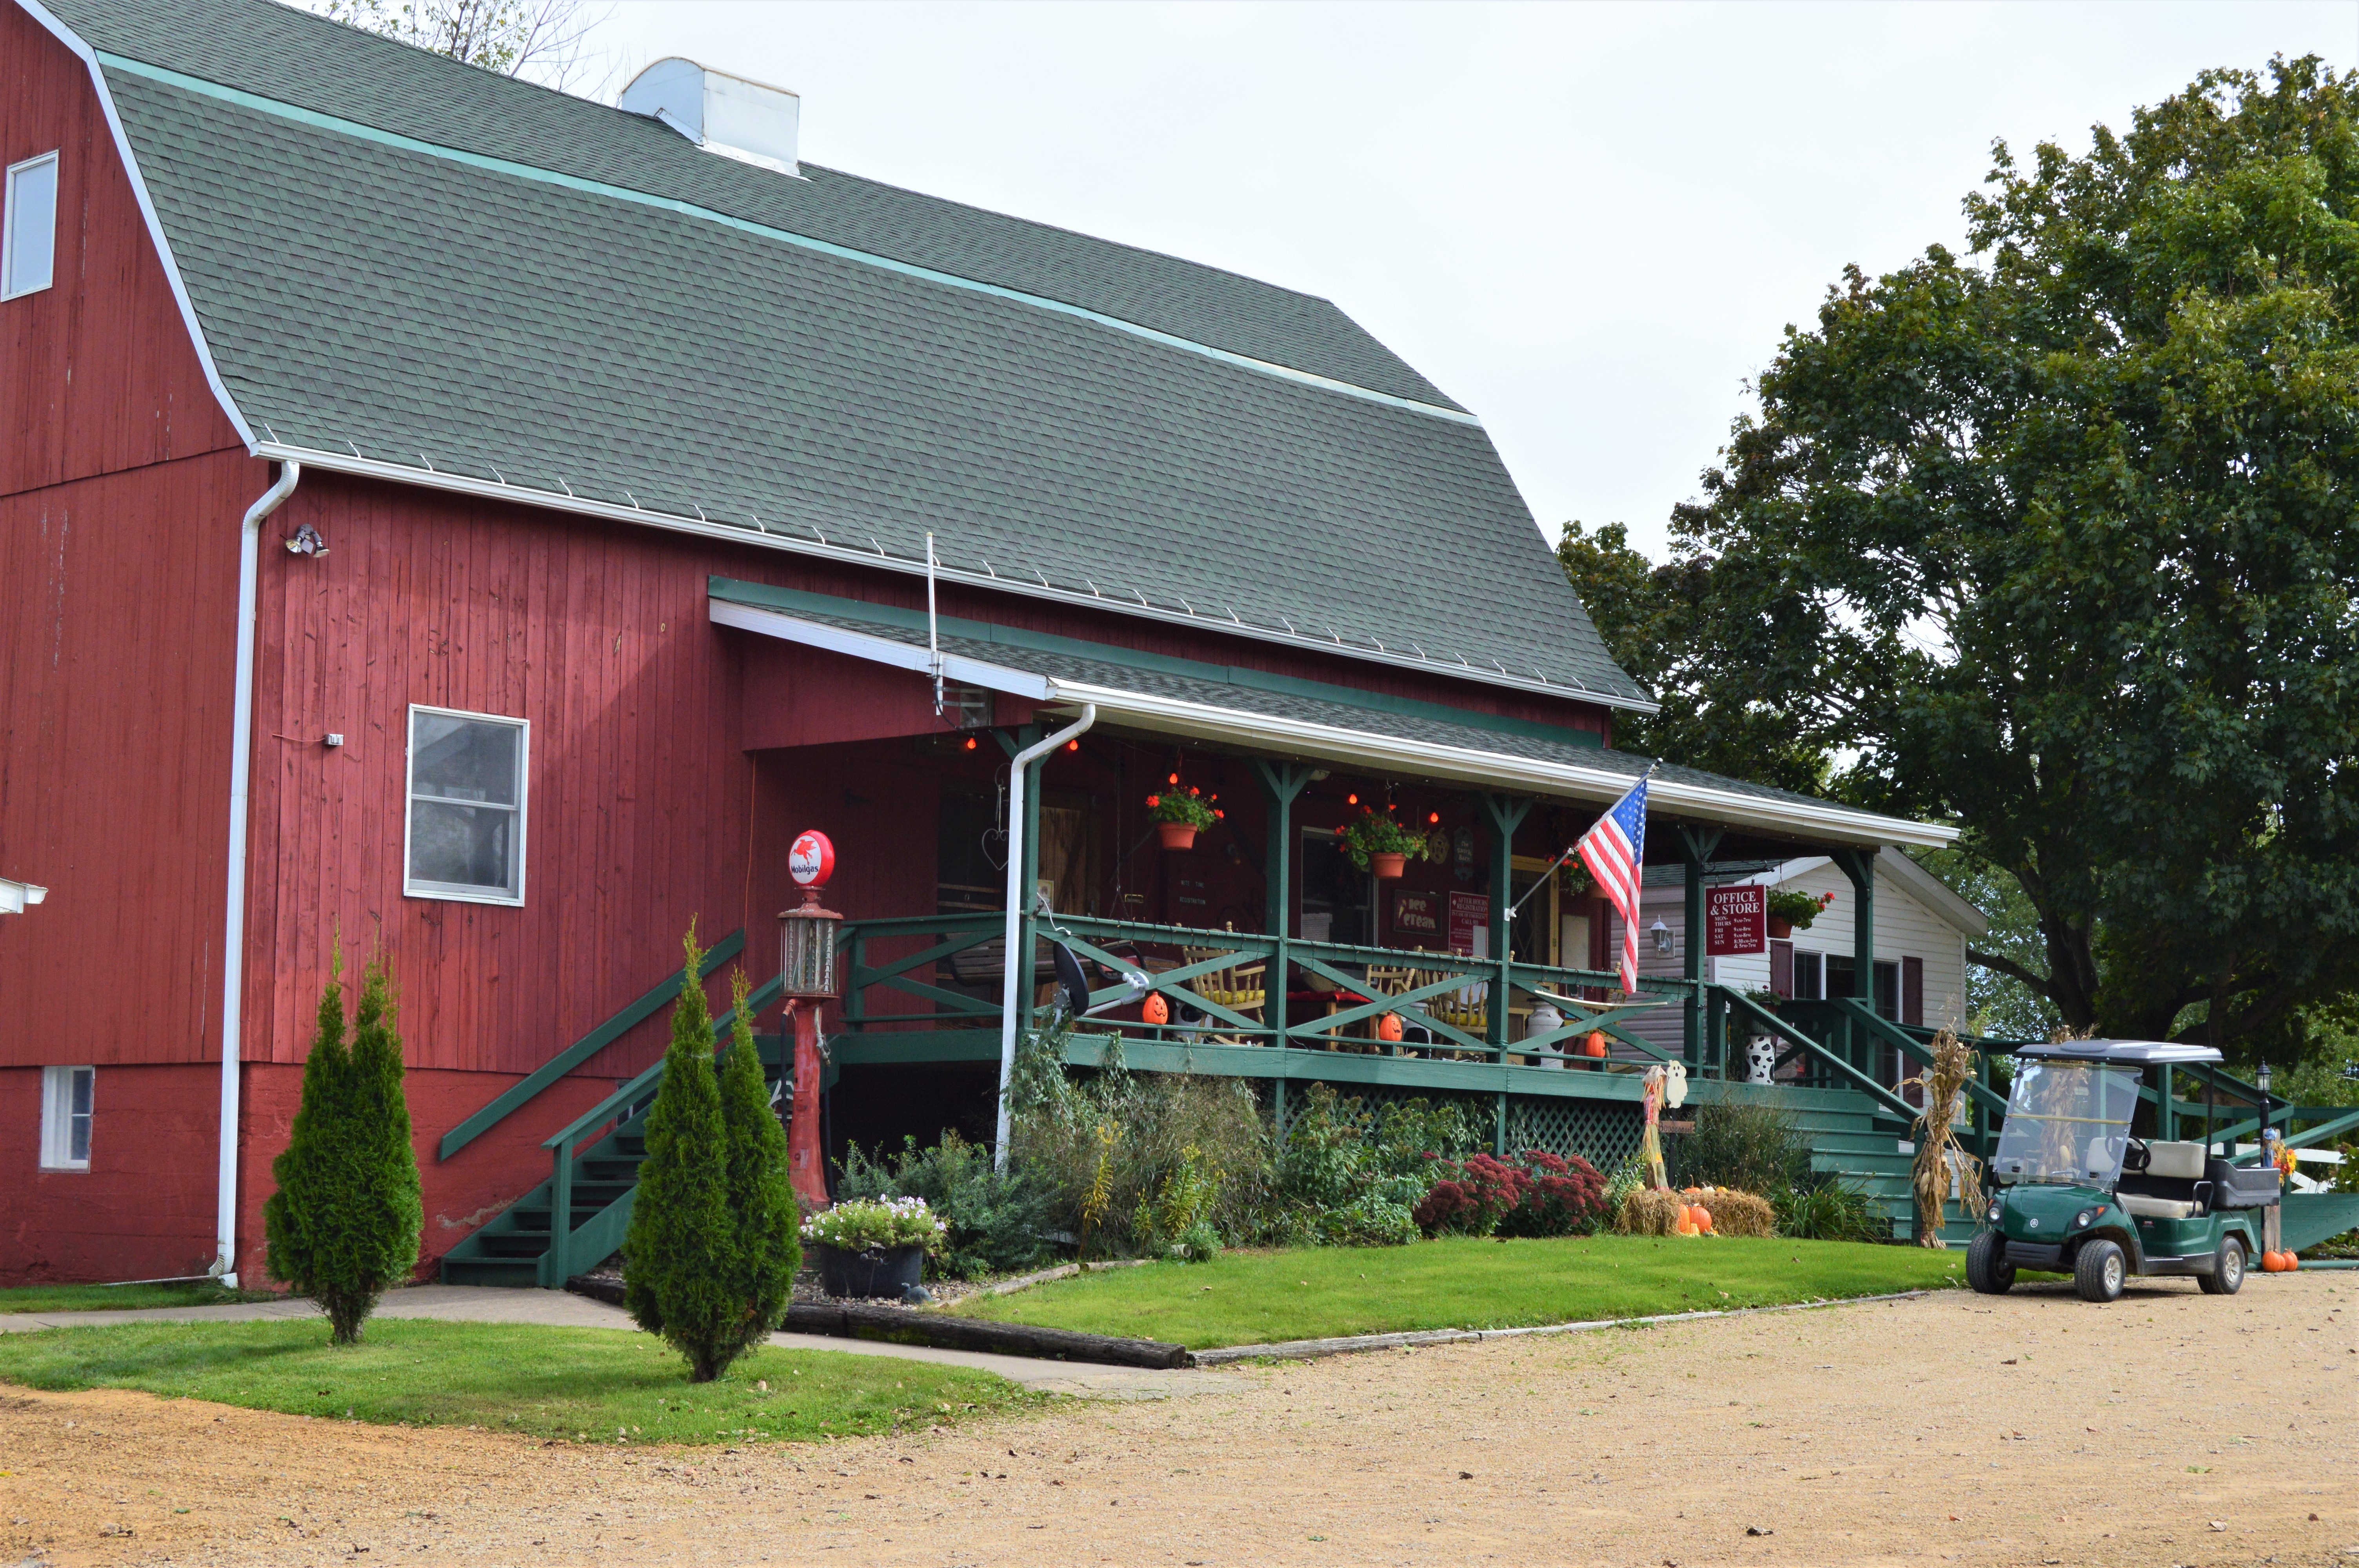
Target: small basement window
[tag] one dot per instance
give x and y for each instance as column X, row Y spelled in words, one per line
column 466, row 807
column 66, row 1094
column 29, row 227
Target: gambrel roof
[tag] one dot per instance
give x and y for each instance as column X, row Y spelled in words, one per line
column 403, row 266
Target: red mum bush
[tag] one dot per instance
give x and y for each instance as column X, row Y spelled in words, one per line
column 1540, row 1194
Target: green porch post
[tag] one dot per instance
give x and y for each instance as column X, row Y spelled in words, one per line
column 1859, row 865
column 1696, row 845
column 1281, row 784
column 1505, row 814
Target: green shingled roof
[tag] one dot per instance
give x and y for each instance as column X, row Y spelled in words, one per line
column 425, row 265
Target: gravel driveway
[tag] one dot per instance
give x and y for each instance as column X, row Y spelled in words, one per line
column 2168, row 1428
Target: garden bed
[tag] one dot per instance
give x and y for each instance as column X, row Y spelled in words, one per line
column 1268, row 1297
column 571, row 1384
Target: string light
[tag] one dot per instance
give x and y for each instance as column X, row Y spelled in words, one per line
column 1073, row 745
column 1433, row 818
column 1351, row 800
column 970, row 743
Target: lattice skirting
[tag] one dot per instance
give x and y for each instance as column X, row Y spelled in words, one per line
column 1602, row 1132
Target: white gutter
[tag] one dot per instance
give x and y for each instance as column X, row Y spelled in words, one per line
column 1017, row 967
column 241, row 778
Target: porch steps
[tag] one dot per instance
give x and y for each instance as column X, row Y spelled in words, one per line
column 510, row 1249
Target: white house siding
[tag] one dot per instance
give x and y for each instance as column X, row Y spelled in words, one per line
column 1905, row 927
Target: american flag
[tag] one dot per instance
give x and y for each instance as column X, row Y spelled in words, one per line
column 1614, row 851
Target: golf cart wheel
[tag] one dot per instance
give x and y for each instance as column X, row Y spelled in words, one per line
column 2228, row 1275
column 2099, row 1272
column 1988, row 1269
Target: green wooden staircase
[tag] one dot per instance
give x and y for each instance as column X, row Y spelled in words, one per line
column 577, row 1218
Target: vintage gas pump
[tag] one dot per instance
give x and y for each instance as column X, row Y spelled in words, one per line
column 807, row 966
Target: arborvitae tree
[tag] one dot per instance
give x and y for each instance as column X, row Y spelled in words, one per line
column 681, row 1262
column 343, row 1226
column 761, row 1189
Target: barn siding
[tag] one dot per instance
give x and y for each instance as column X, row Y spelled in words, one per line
column 97, row 374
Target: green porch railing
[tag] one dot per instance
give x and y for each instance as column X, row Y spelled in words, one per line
column 1451, row 1003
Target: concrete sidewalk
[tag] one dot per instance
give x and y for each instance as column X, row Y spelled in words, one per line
column 480, row 1303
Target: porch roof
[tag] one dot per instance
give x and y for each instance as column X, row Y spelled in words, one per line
column 1288, row 716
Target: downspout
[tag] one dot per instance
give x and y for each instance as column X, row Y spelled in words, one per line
column 241, row 773
column 1018, row 968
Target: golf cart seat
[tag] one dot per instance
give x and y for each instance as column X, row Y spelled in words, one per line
column 2171, row 1184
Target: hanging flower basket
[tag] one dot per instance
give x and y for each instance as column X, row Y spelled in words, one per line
column 1179, row 817
column 1792, row 912
column 1377, row 843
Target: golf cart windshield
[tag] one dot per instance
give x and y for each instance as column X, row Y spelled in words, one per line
column 2067, row 1121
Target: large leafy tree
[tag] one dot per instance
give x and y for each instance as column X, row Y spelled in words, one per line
column 2057, row 540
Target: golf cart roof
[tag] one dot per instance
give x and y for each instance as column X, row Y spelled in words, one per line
column 2130, row 1053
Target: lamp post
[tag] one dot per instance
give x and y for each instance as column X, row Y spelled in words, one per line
column 807, row 966
column 2261, row 1082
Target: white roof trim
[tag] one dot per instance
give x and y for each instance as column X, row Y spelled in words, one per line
column 1384, row 753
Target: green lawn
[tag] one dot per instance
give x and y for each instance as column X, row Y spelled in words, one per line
column 1259, row 1298
column 121, row 1298
column 584, row 1384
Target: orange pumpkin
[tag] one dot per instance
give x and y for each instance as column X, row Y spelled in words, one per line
column 2292, row 1261
column 1702, row 1218
column 1155, row 1010
column 1389, row 1027
column 1595, row 1044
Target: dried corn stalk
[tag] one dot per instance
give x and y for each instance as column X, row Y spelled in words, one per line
column 1940, row 1160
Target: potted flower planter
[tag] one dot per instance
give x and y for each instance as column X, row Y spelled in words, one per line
column 1177, row 834
column 1387, row 867
column 1781, row 929
column 885, row 1272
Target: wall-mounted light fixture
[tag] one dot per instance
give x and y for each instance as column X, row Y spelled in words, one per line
column 307, row 542
column 1662, row 934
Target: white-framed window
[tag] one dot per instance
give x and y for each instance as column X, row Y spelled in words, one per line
column 464, row 837
column 29, row 227
column 66, row 1096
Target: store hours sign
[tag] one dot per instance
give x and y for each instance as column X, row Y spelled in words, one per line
column 1735, row 921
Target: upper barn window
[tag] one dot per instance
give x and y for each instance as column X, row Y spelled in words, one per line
column 29, row 227
column 466, row 807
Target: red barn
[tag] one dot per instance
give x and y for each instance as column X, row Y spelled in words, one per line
column 478, row 526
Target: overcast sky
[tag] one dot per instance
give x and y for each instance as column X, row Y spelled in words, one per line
column 1588, row 223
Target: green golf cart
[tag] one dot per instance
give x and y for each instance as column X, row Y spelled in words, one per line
column 2077, row 1192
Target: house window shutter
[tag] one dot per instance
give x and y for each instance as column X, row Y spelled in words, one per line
column 1912, row 991
column 1781, row 968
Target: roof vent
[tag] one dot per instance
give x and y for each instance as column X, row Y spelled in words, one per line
column 720, row 112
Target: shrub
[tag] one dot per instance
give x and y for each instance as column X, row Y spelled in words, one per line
column 1540, row 1194
column 1472, row 1197
column 1829, row 1211
column 344, row 1224
column 1753, row 1147
column 681, row 1264
column 1350, row 1177
column 1102, row 1151
column 993, row 1221
column 862, row 1223
column 761, row 1191
column 1567, row 1197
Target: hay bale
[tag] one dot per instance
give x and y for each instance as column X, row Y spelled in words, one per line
column 1648, row 1211
column 1738, row 1214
